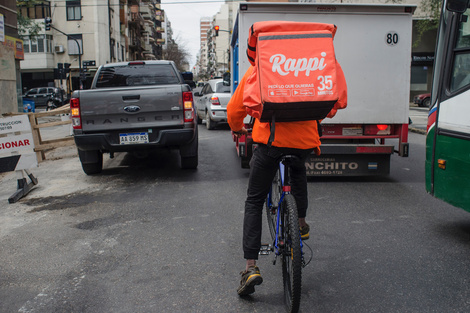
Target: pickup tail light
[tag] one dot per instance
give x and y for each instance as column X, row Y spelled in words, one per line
column 75, row 112
column 215, row 100
column 188, row 106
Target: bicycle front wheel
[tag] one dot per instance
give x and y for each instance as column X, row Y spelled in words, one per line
column 292, row 255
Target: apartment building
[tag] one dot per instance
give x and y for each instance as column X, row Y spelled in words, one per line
column 205, row 25
column 11, row 52
column 85, row 34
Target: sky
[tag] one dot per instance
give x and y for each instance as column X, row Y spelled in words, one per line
column 184, row 16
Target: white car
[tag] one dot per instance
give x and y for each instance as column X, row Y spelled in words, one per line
column 211, row 102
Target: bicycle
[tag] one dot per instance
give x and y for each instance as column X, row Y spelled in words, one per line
column 283, row 222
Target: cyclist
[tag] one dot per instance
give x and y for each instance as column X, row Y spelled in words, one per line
column 295, row 138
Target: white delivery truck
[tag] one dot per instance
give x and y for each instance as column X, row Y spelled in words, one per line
column 373, row 46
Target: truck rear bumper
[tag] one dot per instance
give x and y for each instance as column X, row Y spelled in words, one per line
column 110, row 142
column 350, row 160
column 348, row 165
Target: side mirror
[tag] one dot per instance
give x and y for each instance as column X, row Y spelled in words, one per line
column 458, row 6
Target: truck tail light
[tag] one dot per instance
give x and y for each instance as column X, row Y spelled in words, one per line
column 379, row 129
column 75, row 111
column 188, row 106
column 215, row 100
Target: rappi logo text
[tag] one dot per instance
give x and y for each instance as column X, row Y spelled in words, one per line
column 283, row 66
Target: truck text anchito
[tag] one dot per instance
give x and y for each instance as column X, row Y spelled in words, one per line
column 331, row 165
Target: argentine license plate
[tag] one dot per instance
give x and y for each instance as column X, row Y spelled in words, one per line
column 133, row 138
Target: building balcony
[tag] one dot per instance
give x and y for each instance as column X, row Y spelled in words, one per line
column 145, row 12
column 38, row 61
column 147, row 46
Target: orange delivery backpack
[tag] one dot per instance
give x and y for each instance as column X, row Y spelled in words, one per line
column 296, row 76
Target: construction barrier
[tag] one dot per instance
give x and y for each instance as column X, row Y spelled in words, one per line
column 17, row 152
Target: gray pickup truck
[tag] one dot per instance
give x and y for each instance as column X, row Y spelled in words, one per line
column 134, row 107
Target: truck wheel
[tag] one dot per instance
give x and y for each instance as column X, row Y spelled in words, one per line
column 92, row 161
column 210, row 124
column 199, row 120
column 189, row 162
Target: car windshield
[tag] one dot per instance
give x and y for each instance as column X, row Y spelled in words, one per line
column 220, row 88
column 137, row 75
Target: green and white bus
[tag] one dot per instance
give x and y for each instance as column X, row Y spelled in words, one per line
column 448, row 131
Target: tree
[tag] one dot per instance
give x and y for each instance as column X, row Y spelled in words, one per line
column 27, row 26
column 177, row 53
column 432, row 11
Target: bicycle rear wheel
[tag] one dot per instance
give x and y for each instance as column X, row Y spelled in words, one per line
column 292, row 255
column 272, row 203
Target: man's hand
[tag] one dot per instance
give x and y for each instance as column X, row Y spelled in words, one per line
column 317, row 150
column 242, row 131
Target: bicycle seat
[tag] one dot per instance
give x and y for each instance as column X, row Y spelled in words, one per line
column 288, row 159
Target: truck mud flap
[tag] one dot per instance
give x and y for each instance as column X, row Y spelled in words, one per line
column 348, row 165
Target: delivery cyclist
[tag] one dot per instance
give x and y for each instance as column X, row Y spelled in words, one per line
column 295, row 138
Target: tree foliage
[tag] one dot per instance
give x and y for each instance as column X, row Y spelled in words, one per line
column 432, row 11
column 176, row 52
column 27, row 26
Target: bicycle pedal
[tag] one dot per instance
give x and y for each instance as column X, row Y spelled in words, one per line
column 265, row 249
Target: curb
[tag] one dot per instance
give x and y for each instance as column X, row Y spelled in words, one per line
column 417, row 130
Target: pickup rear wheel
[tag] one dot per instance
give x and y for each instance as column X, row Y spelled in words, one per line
column 92, row 161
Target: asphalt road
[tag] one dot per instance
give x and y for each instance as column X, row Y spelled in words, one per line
column 146, row 236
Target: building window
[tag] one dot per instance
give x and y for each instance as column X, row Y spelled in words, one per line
column 74, row 10
column 40, row 44
column 39, row 10
column 72, row 44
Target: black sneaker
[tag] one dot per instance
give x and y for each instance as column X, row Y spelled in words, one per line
column 305, row 232
column 249, row 280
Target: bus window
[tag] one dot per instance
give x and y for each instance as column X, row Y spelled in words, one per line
column 460, row 76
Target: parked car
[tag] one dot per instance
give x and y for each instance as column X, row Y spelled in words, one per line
column 211, row 102
column 423, row 100
column 50, row 97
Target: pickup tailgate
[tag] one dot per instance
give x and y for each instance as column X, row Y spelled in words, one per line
column 132, row 108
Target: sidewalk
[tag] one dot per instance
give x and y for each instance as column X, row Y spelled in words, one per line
column 59, row 175
column 419, row 119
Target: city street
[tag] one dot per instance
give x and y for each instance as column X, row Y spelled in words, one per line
column 146, row 236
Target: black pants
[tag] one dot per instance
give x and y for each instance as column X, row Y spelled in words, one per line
column 264, row 164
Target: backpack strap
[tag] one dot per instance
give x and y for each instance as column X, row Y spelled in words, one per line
column 251, row 49
column 272, row 125
column 320, row 131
